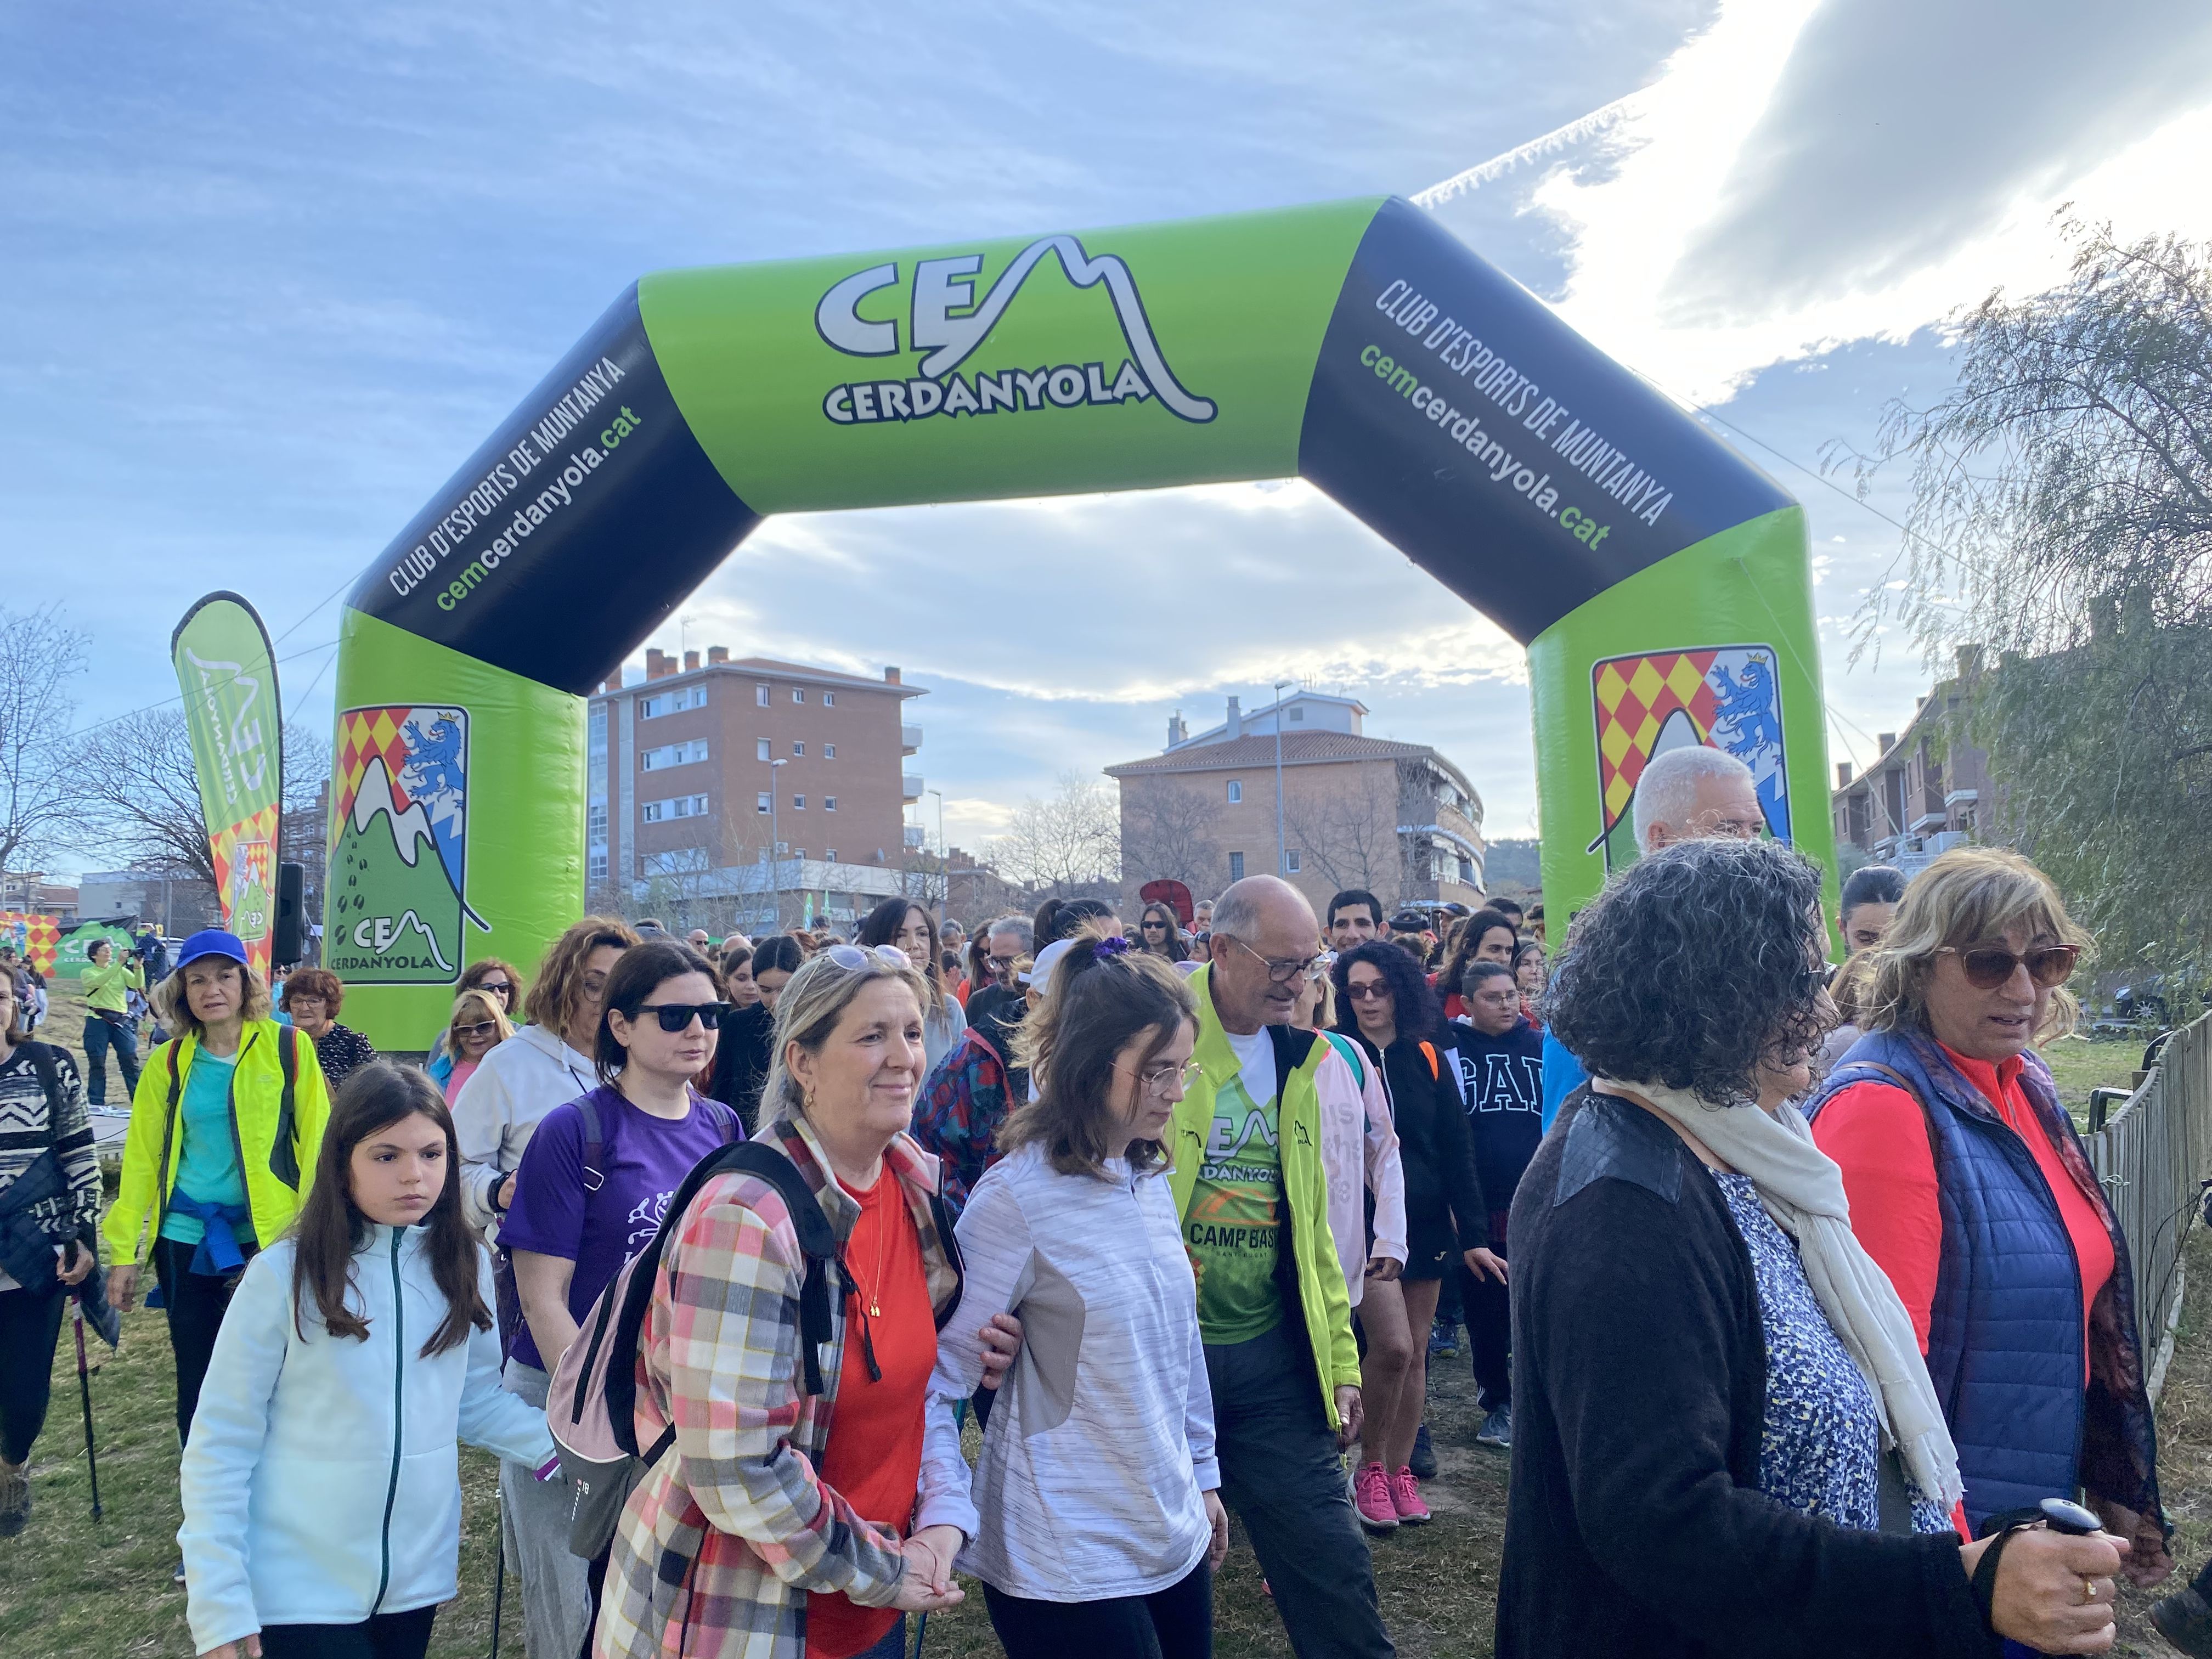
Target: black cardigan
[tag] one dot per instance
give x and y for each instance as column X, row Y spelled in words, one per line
column 1433, row 1143
column 1634, row 1527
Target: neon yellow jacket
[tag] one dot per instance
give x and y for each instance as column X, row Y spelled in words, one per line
column 110, row 988
column 1305, row 1185
column 277, row 1156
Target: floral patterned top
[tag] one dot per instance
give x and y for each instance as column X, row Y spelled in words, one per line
column 1818, row 1449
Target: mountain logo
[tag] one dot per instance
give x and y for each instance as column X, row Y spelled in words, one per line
column 1726, row 697
column 399, row 882
column 945, row 320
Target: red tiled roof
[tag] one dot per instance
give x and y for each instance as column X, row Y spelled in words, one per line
column 1299, row 749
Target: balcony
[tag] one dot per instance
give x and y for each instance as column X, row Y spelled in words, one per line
column 909, row 740
column 1962, row 798
column 910, row 787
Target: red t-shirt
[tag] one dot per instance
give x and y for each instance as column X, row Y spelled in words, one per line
column 874, row 1454
column 1876, row 1134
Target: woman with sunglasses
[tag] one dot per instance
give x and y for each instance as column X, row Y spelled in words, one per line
column 1161, row 936
column 594, row 1181
column 1969, row 1186
column 498, row 981
column 479, row 1024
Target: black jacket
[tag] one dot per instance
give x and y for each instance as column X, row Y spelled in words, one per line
column 1635, row 1527
column 1441, row 1186
column 741, row 1062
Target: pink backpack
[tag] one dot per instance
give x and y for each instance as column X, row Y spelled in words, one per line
column 591, row 1404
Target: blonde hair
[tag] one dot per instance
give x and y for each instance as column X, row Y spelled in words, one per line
column 808, row 1010
column 1969, row 895
column 476, row 1003
column 174, row 1008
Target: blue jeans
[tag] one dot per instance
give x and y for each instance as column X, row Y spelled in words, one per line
column 99, row 1036
column 893, row 1646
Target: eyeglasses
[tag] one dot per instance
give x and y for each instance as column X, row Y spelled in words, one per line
column 1989, row 966
column 854, row 957
column 484, row 1025
column 677, row 1016
column 1280, row 972
column 1156, row 1079
column 1374, row 991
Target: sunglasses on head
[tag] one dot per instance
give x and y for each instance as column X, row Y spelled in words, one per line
column 675, row 1017
column 1988, row 966
column 852, row 957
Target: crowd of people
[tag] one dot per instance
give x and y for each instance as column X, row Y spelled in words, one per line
column 1787, row 1338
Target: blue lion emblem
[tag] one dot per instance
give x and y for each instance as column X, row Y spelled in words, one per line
column 1748, row 704
column 435, row 774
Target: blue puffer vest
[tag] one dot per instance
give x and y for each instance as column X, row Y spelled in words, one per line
column 2005, row 1335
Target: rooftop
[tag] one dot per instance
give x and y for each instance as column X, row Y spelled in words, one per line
column 1299, row 749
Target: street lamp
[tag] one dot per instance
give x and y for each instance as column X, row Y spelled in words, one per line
column 943, row 879
column 1281, row 857
column 775, row 846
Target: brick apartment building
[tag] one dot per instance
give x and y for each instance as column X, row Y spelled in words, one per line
column 1928, row 790
column 1396, row 819
column 697, row 769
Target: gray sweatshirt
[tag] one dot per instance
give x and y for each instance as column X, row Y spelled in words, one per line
column 1101, row 1440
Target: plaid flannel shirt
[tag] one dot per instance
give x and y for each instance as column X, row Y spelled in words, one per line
column 723, row 1540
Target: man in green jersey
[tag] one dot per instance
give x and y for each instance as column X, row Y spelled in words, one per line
column 1271, row 1308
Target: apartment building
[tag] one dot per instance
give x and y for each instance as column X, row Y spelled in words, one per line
column 717, row 783
column 1927, row 790
column 1396, row 819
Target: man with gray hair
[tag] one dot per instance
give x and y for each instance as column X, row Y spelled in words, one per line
column 1694, row 792
column 1689, row 794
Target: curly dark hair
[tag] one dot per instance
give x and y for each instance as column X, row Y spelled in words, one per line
column 1412, row 1003
column 1693, row 966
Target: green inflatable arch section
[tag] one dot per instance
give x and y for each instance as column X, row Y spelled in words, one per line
column 1659, row 582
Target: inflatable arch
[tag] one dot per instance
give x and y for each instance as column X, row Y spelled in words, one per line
column 1659, row 582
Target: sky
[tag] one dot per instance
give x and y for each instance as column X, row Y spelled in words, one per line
column 276, row 270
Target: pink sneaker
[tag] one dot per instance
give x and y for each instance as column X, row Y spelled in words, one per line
column 1406, row 1498
column 1371, row 1497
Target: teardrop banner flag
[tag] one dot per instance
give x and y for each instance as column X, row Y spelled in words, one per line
column 228, row 677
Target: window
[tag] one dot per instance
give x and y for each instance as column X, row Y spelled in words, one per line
column 798, row 749
column 1235, row 794
column 595, row 865
column 760, row 696
column 595, row 823
column 671, row 702
column 760, row 749
column 680, row 806
column 1235, row 863
column 829, row 855
column 1297, row 715
column 1290, row 860
column 797, row 695
column 673, row 754
column 829, row 803
column 600, row 730
column 828, row 751
column 764, row 803
column 829, row 701
column 799, row 803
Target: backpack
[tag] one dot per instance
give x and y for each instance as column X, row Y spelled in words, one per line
column 591, row 1401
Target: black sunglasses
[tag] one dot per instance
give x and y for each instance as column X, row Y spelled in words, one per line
column 676, row 1016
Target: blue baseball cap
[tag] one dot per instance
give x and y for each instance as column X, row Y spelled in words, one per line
column 210, row 942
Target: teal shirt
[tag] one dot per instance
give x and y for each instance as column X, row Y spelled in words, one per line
column 206, row 1167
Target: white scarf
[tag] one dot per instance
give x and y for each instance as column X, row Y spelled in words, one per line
column 1802, row 1189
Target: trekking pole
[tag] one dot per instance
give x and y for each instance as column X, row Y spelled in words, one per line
column 498, row 1574
column 84, row 1392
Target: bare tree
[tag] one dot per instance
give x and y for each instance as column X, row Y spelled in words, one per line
column 1167, row 833
column 1348, row 832
column 1067, row 844
column 39, row 656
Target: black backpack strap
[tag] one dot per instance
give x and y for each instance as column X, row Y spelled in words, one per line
column 816, row 1240
column 284, row 1144
column 176, row 1083
column 595, row 1147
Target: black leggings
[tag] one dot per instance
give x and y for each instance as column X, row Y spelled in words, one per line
column 195, row 1304
column 385, row 1636
column 1175, row 1623
column 29, row 1324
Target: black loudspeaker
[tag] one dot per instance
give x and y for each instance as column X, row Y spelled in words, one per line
column 291, row 938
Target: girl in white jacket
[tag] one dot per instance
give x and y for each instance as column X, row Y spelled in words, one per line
column 321, row 1484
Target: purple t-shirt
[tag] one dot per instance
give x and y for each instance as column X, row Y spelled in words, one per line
column 643, row 1159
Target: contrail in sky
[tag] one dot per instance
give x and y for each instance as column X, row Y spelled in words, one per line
column 1587, row 126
